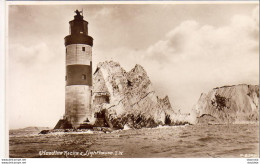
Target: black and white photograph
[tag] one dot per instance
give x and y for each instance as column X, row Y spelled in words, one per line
column 132, row 80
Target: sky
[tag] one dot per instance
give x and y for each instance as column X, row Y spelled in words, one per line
column 186, row 49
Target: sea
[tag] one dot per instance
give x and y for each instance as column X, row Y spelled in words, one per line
column 187, row 141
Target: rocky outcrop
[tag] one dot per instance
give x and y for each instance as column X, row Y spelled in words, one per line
column 123, row 98
column 228, row 104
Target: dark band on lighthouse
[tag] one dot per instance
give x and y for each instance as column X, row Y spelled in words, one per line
column 79, row 75
column 78, row 32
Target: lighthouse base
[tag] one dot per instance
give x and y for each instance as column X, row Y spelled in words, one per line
column 78, row 107
column 63, row 124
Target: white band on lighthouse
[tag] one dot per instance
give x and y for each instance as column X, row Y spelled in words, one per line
column 78, row 54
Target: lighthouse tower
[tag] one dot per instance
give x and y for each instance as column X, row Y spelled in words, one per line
column 78, row 72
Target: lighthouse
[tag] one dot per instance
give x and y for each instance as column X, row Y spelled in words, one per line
column 78, row 72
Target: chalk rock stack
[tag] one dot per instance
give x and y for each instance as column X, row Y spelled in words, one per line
column 229, row 104
column 123, row 98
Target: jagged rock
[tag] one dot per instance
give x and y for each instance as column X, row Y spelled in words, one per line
column 208, row 119
column 44, row 132
column 127, row 98
column 229, row 104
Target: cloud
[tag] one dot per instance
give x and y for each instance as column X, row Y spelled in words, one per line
column 193, row 40
column 31, row 55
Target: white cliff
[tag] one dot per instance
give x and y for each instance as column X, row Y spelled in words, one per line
column 229, row 104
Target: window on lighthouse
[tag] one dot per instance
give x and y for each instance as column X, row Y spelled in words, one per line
column 83, row 48
column 84, row 77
